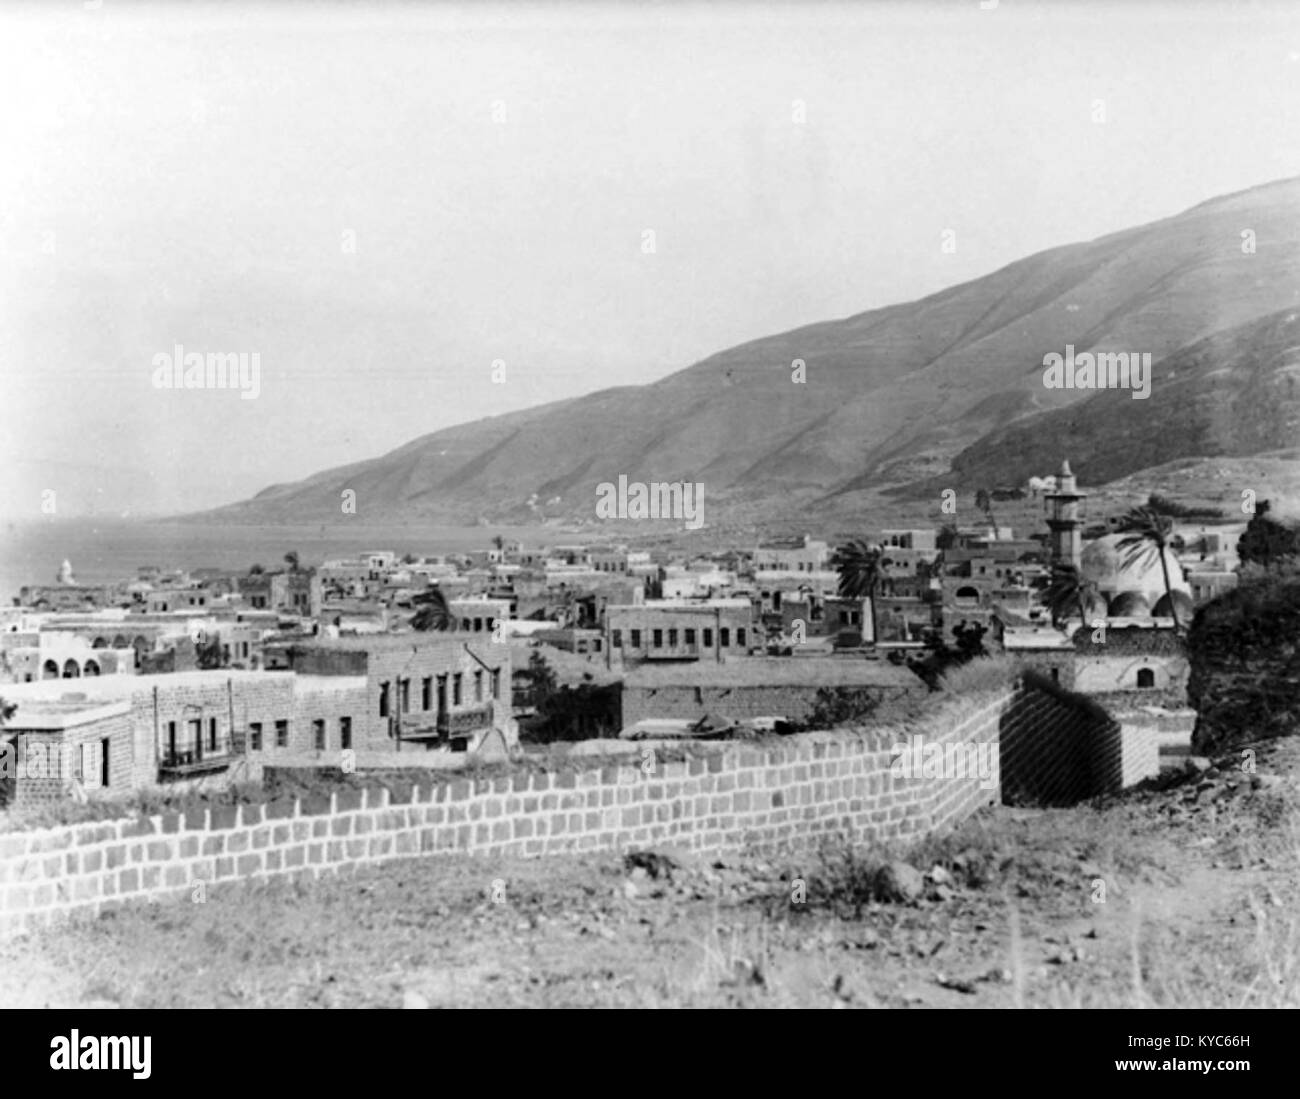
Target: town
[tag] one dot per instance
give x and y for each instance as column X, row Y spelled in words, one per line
column 196, row 678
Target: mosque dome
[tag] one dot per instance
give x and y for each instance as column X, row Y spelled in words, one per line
column 1103, row 562
column 1182, row 601
column 1130, row 604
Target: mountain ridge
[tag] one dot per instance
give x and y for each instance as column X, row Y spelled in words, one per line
column 898, row 398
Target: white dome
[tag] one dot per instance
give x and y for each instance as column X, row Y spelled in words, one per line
column 1102, row 563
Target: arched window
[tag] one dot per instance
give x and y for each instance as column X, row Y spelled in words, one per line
column 120, row 642
column 99, row 643
column 1146, row 677
column 71, row 670
column 50, row 670
column 92, row 668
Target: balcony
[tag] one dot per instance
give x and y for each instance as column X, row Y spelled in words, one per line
column 459, row 723
column 466, row 721
column 197, row 760
column 675, row 652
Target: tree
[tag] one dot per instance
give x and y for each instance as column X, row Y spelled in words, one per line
column 1067, row 592
column 1147, row 532
column 291, row 559
column 984, row 501
column 861, row 567
column 256, row 570
column 433, row 611
column 498, row 542
column 208, row 653
column 1265, row 541
column 947, row 537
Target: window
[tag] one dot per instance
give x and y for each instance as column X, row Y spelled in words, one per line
column 724, row 637
column 255, row 736
column 690, row 637
column 1146, row 677
column 345, row 732
column 740, row 636
column 672, row 639
column 404, row 689
column 282, row 734
column 426, row 693
column 478, row 686
column 383, row 700
column 618, row 639
column 658, row 639
column 708, row 639
column 457, row 681
column 212, row 734
column 636, row 639
column 496, row 682
column 318, row 733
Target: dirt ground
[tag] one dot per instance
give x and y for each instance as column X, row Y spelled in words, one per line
column 1186, row 896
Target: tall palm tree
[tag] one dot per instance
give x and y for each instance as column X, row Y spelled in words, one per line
column 433, row 612
column 1148, row 532
column 984, row 502
column 861, row 567
column 1068, row 592
column 291, row 559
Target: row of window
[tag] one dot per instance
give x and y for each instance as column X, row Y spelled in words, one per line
column 320, row 736
column 427, row 689
column 657, row 638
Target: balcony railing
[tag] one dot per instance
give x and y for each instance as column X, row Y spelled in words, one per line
column 198, row 759
column 462, row 722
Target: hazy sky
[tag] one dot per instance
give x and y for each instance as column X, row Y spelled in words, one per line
column 381, row 201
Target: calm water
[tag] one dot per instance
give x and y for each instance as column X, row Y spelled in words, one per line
column 106, row 550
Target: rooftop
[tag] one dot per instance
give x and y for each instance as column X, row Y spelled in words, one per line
column 761, row 671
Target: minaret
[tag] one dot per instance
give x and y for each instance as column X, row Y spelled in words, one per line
column 1064, row 518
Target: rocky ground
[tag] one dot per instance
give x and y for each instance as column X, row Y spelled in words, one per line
column 1181, row 894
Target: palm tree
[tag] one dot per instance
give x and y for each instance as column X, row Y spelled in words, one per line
column 1148, row 532
column 291, row 559
column 1068, row 592
column 861, row 567
column 947, row 537
column 433, row 613
column 984, row 502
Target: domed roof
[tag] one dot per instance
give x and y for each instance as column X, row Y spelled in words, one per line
column 1130, row 604
column 1182, row 601
column 1102, row 562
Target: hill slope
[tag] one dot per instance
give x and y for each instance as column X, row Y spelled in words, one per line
column 894, row 395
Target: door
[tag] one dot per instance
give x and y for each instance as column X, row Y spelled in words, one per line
column 103, row 762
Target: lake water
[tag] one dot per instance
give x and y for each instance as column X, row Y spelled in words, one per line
column 107, row 550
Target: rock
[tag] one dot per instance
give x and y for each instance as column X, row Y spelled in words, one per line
column 1197, row 763
column 939, row 875
column 899, row 882
column 630, row 889
column 414, row 1001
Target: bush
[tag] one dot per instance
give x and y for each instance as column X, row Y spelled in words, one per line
column 1244, row 650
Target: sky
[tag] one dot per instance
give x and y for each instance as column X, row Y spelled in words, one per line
column 421, row 215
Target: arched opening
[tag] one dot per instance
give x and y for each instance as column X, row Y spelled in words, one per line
column 967, row 594
column 50, row 670
column 92, row 668
column 141, row 646
column 99, row 643
column 1146, row 677
column 120, row 642
column 71, row 670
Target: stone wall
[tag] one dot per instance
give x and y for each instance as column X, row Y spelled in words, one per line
column 733, row 796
